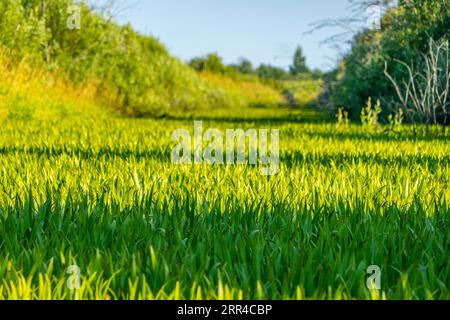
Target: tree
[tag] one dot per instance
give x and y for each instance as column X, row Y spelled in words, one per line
column 212, row 63
column 425, row 96
column 299, row 63
column 244, row 66
column 270, row 72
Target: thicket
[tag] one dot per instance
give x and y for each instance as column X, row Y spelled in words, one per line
column 404, row 40
column 133, row 72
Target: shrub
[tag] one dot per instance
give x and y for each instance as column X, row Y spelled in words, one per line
column 404, row 36
column 342, row 118
column 28, row 93
column 425, row 94
column 134, row 73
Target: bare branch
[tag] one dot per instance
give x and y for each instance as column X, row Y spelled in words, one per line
column 427, row 91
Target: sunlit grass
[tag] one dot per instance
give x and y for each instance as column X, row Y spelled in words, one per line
column 245, row 92
column 305, row 92
column 102, row 194
column 28, row 93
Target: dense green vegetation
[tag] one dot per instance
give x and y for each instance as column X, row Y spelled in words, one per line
column 102, row 193
column 84, row 185
column 270, row 74
column 133, row 73
column 299, row 86
column 405, row 35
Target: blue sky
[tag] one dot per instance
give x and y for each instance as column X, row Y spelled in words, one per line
column 264, row 31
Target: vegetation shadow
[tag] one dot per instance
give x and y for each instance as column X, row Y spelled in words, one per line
column 382, row 136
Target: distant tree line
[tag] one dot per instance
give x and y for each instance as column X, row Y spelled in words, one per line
column 214, row 63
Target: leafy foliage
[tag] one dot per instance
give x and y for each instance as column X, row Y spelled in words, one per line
column 81, row 186
column 244, row 66
column 136, row 69
column 211, row 63
column 268, row 72
column 299, row 63
column 405, row 35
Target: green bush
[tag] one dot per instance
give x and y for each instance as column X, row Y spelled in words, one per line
column 405, row 34
column 134, row 71
column 210, row 63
